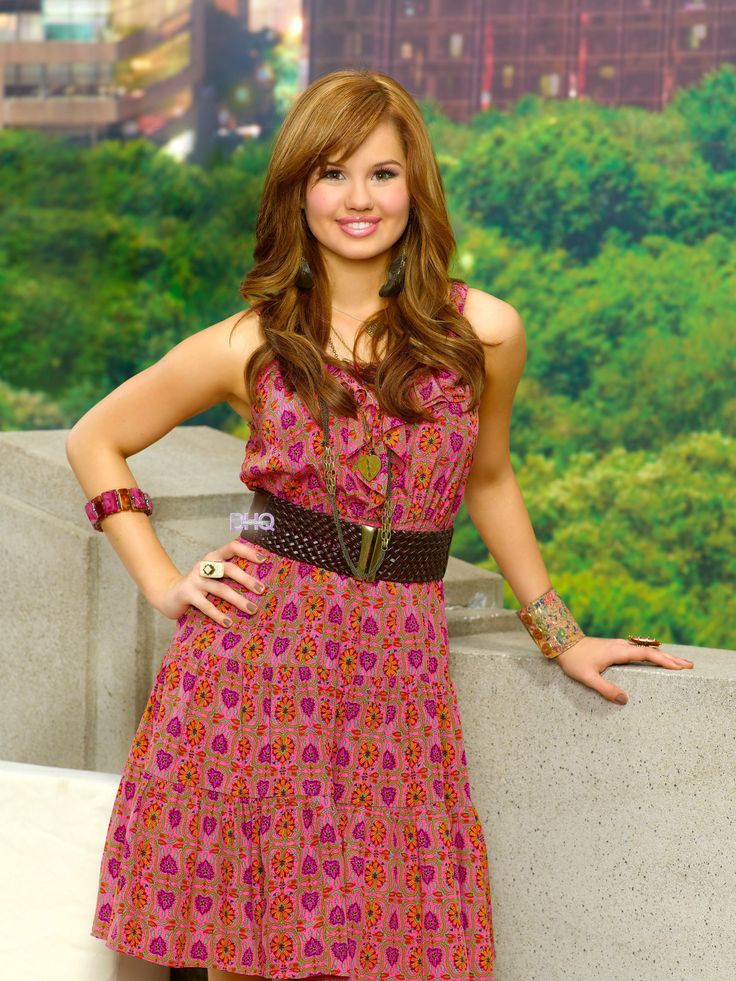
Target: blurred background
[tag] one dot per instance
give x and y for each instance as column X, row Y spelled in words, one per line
column 588, row 150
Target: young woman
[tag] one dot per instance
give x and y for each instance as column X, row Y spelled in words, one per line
column 296, row 801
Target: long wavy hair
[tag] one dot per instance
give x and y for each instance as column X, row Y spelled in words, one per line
column 336, row 113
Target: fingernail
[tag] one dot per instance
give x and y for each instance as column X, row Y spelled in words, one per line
column 227, row 622
column 621, row 699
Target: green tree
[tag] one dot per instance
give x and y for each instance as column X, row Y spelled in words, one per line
column 709, row 109
column 555, row 180
column 640, row 541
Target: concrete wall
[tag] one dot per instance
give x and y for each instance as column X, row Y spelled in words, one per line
column 51, row 836
column 611, row 829
column 80, row 644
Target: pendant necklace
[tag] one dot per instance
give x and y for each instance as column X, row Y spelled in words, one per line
column 369, row 462
column 373, row 540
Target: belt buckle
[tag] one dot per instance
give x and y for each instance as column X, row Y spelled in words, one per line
column 370, row 552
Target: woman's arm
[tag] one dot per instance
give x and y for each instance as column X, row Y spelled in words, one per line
column 492, row 495
column 201, row 371
column 497, row 509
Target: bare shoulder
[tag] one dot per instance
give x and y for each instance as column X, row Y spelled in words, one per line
column 236, row 338
column 240, row 334
column 243, row 329
column 500, row 329
column 492, row 318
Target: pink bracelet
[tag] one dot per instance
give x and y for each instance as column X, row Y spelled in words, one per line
column 112, row 501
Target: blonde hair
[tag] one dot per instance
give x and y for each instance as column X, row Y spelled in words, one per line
column 336, row 113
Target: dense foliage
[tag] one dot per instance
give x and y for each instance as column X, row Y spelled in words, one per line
column 610, row 230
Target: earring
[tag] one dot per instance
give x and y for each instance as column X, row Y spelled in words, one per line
column 304, row 278
column 395, row 280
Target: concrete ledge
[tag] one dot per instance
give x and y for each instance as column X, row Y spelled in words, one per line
column 465, row 620
column 610, row 829
column 466, row 584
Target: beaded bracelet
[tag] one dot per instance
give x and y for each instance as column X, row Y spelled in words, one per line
column 119, row 499
column 550, row 623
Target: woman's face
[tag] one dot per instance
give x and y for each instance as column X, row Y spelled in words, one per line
column 370, row 187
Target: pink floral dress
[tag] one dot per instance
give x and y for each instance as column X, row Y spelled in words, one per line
column 296, row 800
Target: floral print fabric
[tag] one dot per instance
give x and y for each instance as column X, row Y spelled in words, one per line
column 296, row 799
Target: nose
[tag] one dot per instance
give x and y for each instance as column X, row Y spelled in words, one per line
column 358, row 197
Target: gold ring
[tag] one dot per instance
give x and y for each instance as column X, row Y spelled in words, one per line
column 212, row 570
column 643, row 641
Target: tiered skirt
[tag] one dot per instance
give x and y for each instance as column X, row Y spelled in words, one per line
column 296, row 799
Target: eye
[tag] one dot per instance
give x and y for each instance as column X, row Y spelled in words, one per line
column 381, row 170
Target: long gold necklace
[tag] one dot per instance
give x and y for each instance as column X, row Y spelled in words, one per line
column 373, row 539
column 369, row 462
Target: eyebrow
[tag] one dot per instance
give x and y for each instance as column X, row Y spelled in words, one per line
column 332, row 163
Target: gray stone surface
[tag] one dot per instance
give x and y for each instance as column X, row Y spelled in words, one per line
column 610, row 829
column 82, row 645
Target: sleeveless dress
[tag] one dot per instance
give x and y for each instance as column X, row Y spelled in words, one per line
column 296, row 800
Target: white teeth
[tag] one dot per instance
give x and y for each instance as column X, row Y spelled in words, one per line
column 359, row 224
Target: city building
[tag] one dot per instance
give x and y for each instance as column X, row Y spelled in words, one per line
column 469, row 55
column 280, row 15
column 93, row 68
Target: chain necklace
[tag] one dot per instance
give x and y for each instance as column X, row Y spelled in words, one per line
column 370, row 329
column 369, row 463
column 344, row 344
column 371, row 555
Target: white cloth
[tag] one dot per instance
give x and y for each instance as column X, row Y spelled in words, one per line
column 53, row 823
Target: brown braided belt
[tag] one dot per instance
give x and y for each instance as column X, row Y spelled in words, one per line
column 310, row 536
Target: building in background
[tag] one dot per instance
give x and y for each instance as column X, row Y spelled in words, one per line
column 281, row 15
column 237, row 9
column 241, row 68
column 469, row 55
column 93, row 68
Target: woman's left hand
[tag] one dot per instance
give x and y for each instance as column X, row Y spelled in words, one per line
column 585, row 660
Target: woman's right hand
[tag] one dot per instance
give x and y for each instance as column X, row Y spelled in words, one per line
column 192, row 589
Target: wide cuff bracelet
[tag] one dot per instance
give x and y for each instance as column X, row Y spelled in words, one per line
column 550, row 623
column 118, row 499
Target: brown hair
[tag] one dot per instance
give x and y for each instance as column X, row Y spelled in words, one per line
column 336, row 113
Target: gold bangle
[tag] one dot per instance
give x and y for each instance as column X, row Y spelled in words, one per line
column 550, row 623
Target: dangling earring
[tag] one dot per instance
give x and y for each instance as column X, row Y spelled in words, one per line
column 304, row 278
column 395, row 280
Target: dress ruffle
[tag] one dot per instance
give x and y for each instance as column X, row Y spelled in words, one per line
column 293, row 887
column 439, row 389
